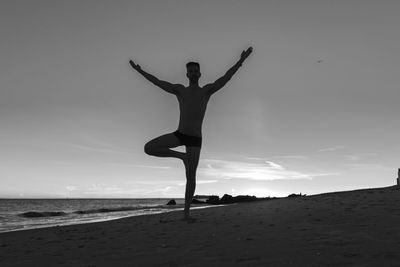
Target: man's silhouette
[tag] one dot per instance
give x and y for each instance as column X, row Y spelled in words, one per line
column 192, row 105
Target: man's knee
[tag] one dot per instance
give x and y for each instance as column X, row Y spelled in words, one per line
column 191, row 173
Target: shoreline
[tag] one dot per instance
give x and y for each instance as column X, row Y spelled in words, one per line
column 83, row 222
column 106, row 219
column 358, row 227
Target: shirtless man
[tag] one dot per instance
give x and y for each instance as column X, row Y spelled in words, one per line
column 192, row 105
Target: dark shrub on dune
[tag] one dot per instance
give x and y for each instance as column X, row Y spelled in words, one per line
column 296, row 195
column 245, row 198
column 214, row 200
column 226, row 199
column 196, row 201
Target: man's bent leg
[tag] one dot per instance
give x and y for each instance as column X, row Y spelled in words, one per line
column 160, row 147
column 193, row 156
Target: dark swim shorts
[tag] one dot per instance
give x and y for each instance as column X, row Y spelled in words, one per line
column 188, row 140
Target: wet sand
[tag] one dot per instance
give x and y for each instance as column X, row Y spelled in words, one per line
column 353, row 228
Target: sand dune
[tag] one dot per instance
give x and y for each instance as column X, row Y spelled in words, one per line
column 353, row 228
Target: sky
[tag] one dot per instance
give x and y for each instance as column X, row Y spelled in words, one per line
column 314, row 108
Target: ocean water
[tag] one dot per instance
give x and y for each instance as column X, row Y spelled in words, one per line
column 21, row 214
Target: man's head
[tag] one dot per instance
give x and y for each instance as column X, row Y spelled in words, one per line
column 193, row 71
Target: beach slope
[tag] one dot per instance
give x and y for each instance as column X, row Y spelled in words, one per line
column 353, row 228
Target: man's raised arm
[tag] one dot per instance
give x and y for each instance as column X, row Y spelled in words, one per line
column 218, row 84
column 166, row 86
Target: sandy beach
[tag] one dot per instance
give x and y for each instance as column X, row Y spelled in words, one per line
column 352, row 228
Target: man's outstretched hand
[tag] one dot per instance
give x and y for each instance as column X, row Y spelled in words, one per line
column 134, row 65
column 246, row 53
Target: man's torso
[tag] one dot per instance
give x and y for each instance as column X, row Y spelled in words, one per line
column 192, row 105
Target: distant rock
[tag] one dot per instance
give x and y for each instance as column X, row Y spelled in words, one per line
column 228, row 199
column 196, row 201
column 171, row 202
column 34, row 214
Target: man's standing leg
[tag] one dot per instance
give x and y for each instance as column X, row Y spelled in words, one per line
column 192, row 160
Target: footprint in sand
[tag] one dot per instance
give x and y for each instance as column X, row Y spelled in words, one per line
column 351, row 255
column 247, row 260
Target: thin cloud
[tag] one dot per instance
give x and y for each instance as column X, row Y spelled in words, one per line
column 352, row 157
column 129, row 165
column 164, row 191
column 101, row 190
column 104, row 188
column 152, row 167
column 280, row 157
column 96, row 147
column 360, row 156
column 291, row 157
column 207, row 181
column 273, row 165
column 331, row 149
column 71, row 188
column 255, row 158
column 266, row 170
